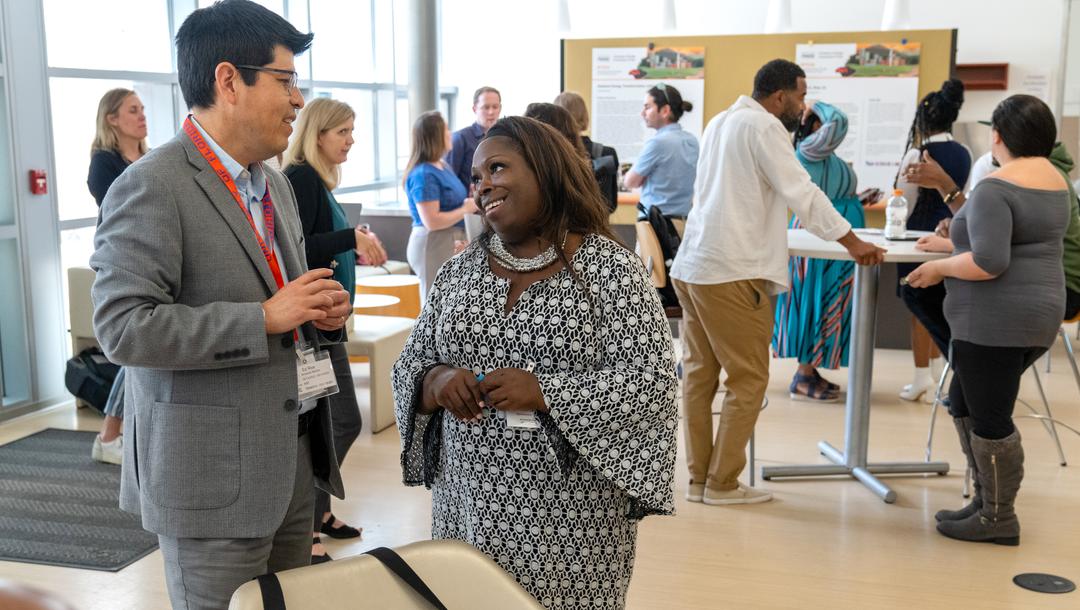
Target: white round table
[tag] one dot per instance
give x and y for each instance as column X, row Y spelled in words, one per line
column 853, row 461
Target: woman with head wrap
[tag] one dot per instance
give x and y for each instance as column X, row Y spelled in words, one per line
column 813, row 319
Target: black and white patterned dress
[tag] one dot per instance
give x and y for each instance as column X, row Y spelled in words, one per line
column 556, row 507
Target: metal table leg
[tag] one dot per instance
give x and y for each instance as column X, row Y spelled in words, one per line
column 853, row 460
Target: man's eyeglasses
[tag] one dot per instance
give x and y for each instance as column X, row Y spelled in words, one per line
column 289, row 84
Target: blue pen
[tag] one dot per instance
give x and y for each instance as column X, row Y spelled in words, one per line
column 480, row 377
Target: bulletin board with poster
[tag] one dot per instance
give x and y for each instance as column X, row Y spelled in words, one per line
column 876, row 84
column 621, row 78
column 732, row 63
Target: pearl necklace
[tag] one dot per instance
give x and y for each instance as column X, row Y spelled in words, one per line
column 510, row 262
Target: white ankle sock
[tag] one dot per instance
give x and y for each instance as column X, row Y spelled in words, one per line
column 922, row 377
column 936, row 366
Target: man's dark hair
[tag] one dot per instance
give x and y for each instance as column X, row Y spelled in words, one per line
column 1026, row 126
column 777, row 75
column 237, row 31
column 666, row 95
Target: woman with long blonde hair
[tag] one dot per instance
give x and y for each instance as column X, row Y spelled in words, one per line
column 324, row 136
column 438, row 201
column 119, row 141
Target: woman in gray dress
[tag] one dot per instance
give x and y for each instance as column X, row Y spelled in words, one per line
column 1006, row 298
column 536, row 395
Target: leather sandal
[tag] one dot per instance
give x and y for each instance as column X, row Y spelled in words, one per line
column 317, row 559
column 817, row 389
column 833, row 387
column 345, row 531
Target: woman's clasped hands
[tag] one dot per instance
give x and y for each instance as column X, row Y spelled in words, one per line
column 465, row 394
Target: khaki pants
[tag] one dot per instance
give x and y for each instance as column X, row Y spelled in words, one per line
column 725, row 326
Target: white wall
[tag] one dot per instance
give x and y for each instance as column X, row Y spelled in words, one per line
column 513, row 45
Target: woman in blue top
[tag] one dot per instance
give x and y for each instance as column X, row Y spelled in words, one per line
column 313, row 166
column 437, row 200
column 813, row 319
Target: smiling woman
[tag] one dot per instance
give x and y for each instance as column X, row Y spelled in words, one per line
column 536, row 394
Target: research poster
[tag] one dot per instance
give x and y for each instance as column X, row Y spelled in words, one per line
column 877, row 86
column 620, row 79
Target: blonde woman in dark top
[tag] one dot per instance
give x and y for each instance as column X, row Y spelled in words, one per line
column 1006, row 293
column 324, row 137
column 119, row 141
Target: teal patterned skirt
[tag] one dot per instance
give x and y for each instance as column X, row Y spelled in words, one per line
column 813, row 319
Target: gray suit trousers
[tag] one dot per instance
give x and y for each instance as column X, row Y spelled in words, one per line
column 203, row 573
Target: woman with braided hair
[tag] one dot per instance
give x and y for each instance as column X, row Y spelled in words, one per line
column 930, row 138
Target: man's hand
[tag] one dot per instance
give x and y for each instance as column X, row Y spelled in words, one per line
column 311, row 296
column 929, row 174
column 337, row 314
column 455, row 390
column 369, row 250
column 864, row 253
column 513, row 389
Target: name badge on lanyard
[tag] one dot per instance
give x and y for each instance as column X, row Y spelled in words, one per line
column 314, row 374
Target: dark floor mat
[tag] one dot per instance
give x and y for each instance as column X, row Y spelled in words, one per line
column 59, row 507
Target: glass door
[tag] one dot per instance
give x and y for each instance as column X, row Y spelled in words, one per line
column 14, row 356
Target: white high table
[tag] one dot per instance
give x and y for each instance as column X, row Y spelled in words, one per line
column 853, row 460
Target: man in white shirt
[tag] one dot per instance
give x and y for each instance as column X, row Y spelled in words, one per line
column 733, row 258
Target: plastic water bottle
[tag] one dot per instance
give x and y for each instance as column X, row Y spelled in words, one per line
column 896, row 215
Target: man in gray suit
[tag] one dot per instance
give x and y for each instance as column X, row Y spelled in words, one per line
column 202, row 291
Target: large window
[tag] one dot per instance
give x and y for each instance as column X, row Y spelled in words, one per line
column 353, row 58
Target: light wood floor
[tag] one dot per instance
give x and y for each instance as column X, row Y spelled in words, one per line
column 820, row 543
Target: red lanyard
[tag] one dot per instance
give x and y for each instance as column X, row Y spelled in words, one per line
column 267, row 203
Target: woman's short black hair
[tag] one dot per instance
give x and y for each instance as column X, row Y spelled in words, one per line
column 777, row 75
column 666, row 95
column 237, row 31
column 1026, row 126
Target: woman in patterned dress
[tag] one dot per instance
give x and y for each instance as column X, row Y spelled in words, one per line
column 536, row 395
column 813, row 319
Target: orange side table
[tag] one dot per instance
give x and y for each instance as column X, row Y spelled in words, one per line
column 406, row 288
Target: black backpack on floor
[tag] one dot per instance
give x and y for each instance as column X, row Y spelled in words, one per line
column 90, row 376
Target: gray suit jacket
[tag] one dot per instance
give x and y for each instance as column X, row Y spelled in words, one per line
column 211, row 407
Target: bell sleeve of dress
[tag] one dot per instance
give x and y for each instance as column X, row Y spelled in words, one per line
column 420, row 434
column 621, row 416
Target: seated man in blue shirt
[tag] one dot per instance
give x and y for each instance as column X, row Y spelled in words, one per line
column 667, row 165
column 487, row 104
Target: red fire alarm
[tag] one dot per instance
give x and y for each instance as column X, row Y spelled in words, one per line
column 38, row 183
